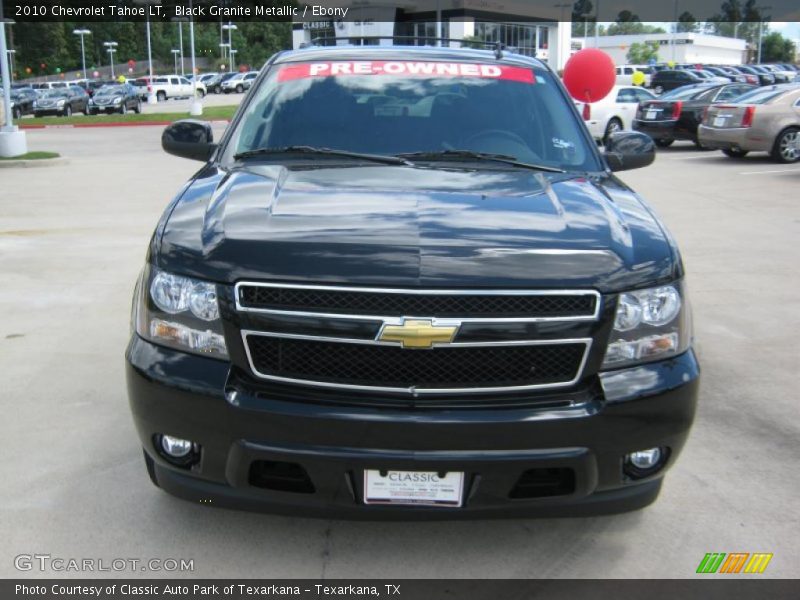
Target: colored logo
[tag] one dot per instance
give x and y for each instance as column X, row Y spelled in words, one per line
column 415, row 333
column 735, row 562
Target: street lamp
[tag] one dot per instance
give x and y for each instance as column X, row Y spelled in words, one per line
column 230, row 28
column 233, row 54
column 175, row 53
column 83, row 32
column 761, row 28
column 11, row 54
column 111, row 47
column 12, row 140
column 151, row 97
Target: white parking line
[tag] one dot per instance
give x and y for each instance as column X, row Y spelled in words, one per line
column 795, row 170
column 690, row 156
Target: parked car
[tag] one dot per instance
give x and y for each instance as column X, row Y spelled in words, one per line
column 206, row 77
column 720, row 72
column 676, row 115
column 615, row 112
column 708, row 76
column 239, row 83
column 215, row 85
column 548, row 366
column 173, row 86
column 780, row 75
column 764, row 120
column 764, row 77
column 22, row 100
column 664, row 81
column 115, row 98
column 625, row 74
column 61, row 102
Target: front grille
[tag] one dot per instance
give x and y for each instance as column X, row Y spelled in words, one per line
column 388, row 303
column 446, row 367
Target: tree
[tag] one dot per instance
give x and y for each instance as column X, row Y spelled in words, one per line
column 642, row 53
column 686, row 23
column 583, row 18
column 628, row 23
column 776, row 48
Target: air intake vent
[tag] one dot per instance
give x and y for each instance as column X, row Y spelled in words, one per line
column 280, row 476
column 541, row 483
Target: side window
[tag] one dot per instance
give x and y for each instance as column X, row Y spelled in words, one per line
column 642, row 95
column 174, row 80
column 619, row 70
column 628, row 70
column 626, row 96
column 185, row 81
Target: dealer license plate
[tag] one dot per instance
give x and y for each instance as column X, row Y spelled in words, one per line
column 719, row 121
column 421, row 488
column 651, row 114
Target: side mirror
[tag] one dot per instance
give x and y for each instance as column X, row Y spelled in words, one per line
column 629, row 150
column 189, row 139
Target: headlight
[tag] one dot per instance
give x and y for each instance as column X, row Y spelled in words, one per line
column 179, row 312
column 61, row 103
column 651, row 324
column 117, row 100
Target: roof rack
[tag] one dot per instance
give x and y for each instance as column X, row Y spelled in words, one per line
column 498, row 47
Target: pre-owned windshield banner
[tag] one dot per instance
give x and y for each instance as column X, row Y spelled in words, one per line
column 405, row 69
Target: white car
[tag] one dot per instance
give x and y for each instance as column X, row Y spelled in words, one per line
column 615, row 112
column 625, row 74
column 173, row 86
column 239, row 83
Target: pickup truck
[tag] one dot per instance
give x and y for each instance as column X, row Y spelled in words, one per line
column 406, row 284
column 173, row 86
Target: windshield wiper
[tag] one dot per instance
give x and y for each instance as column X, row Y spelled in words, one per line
column 379, row 158
column 470, row 155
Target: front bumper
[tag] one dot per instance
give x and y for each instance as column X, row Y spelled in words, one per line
column 205, row 401
column 49, row 111
column 744, row 138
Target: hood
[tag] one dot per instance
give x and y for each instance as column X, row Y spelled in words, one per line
column 402, row 226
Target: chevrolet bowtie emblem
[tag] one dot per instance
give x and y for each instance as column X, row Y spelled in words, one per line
column 416, row 333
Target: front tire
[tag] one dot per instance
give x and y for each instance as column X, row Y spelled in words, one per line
column 16, row 114
column 161, row 96
column 138, row 108
column 787, row 146
column 734, row 152
column 663, row 143
column 68, row 111
column 239, row 89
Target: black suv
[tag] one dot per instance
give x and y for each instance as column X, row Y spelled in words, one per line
column 664, row 81
column 406, row 284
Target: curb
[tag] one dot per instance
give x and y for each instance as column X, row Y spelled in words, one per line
column 30, row 164
column 100, row 125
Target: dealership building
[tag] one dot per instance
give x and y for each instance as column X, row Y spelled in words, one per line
column 531, row 30
column 680, row 47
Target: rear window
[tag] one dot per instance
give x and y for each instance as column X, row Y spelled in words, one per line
column 760, row 96
column 403, row 107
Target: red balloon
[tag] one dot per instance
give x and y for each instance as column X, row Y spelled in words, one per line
column 589, row 75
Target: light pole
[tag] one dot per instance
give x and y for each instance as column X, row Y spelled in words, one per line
column 230, row 28
column 12, row 140
column 151, row 97
column 180, row 35
column 197, row 106
column 11, row 54
column 111, row 47
column 233, row 54
column 175, row 53
column 223, row 50
column 82, row 33
column 761, row 28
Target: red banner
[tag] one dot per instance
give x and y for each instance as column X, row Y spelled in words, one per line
column 405, row 69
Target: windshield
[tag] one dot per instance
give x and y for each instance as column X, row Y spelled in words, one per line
column 55, row 94
column 111, row 90
column 683, row 93
column 400, row 107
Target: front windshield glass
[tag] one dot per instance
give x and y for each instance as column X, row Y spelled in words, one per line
column 402, row 107
column 55, row 93
column 111, row 90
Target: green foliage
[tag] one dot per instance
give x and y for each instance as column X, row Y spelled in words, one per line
column 687, row 23
column 628, row 23
column 641, row 53
column 255, row 43
column 776, row 48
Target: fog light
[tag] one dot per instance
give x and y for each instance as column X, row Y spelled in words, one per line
column 175, row 447
column 644, row 463
column 644, row 459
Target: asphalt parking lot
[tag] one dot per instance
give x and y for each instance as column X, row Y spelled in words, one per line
column 73, row 239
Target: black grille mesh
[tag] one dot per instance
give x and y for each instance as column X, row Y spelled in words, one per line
column 399, row 304
column 387, row 366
